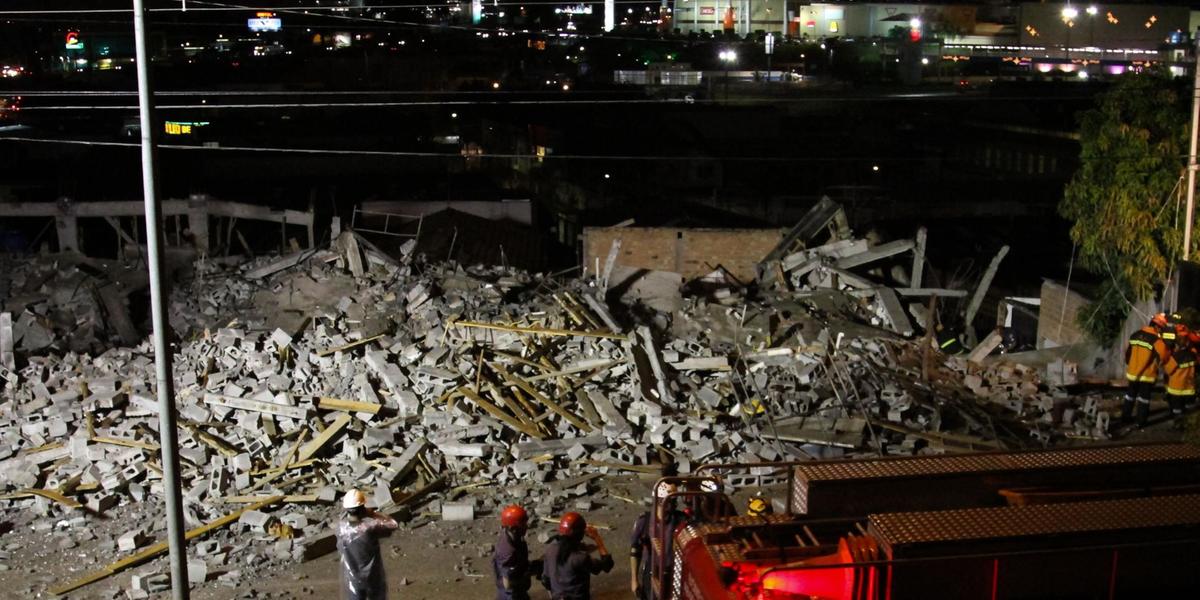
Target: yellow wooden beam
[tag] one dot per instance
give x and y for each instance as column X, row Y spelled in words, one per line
column 325, row 403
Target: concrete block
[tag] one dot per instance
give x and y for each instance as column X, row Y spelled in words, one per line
column 458, row 511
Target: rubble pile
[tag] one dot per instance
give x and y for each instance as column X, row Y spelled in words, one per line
column 300, row 376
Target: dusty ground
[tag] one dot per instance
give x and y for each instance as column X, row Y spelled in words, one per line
column 427, row 559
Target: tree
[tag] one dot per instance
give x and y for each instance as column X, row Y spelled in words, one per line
column 1122, row 200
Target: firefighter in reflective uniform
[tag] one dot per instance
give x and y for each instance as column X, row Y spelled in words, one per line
column 758, row 507
column 948, row 341
column 1181, row 377
column 1145, row 352
column 1173, row 330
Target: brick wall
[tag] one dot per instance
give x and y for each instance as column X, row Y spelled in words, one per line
column 690, row 252
column 1052, row 316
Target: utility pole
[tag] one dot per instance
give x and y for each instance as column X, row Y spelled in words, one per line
column 168, row 436
column 1191, row 178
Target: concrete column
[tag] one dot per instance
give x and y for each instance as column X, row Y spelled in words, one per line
column 68, row 226
column 198, row 221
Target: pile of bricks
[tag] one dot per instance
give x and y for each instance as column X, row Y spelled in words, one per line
column 465, row 386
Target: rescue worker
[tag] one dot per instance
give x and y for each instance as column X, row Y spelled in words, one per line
column 1143, row 355
column 1181, row 376
column 568, row 566
column 1171, row 330
column 358, row 542
column 758, row 507
column 510, row 555
column 640, row 554
column 1194, row 344
column 948, row 341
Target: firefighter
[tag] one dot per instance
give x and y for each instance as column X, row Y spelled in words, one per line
column 1172, row 330
column 568, row 565
column 758, row 507
column 510, row 555
column 948, row 341
column 1145, row 352
column 358, row 541
column 640, row 555
column 1194, row 344
column 1180, row 369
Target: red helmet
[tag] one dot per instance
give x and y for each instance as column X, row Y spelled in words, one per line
column 514, row 516
column 572, row 525
column 1194, row 337
column 1159, row 320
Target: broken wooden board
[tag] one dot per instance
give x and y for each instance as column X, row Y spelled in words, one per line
column 314, row 446
column 158, row 549
column 350, row 346
column 47, row 494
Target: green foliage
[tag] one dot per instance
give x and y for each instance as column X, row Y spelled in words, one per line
column 1127, row 223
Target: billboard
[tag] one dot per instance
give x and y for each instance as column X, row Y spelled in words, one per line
column 265, row 23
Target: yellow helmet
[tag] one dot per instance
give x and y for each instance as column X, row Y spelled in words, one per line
column 757, row 507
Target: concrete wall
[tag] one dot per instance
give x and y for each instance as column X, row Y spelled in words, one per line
column 690, row 252
column 520, row 211
column 1058, row 322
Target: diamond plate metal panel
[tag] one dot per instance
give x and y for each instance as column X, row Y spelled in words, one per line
column 900, row 529
column 931, row 466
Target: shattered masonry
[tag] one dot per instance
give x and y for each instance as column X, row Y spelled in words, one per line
column 302, row 375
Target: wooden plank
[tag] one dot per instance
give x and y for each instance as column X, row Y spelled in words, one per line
column 125, row 442
column 158, row 549
column 940, row 292
column 538, row 330
column 350, row 346
column 283, row 410
column 325, row 403
column 326, row 436
column 585, row 366
column 292, row 499
column 524, row 386
column 495, row 411
column 48, row 494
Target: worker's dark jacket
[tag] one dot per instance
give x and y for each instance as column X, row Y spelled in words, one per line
column 362, row 566
column 567, row 569
column 510, row 559
column 948, row 342
column 639, row 547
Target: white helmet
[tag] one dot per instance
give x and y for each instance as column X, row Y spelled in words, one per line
column 354, row 499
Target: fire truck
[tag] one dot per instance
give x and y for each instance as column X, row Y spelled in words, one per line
column 1110, row 521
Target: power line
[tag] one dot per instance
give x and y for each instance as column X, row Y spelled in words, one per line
column 218, row 7
column 505, row 156
column 954, row 98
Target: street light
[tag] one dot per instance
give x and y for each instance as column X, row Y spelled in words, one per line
column 728, row 57
column 1068, row 16
column 1092, row 11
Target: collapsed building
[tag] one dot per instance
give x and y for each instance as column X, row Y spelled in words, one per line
column 464, row 387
